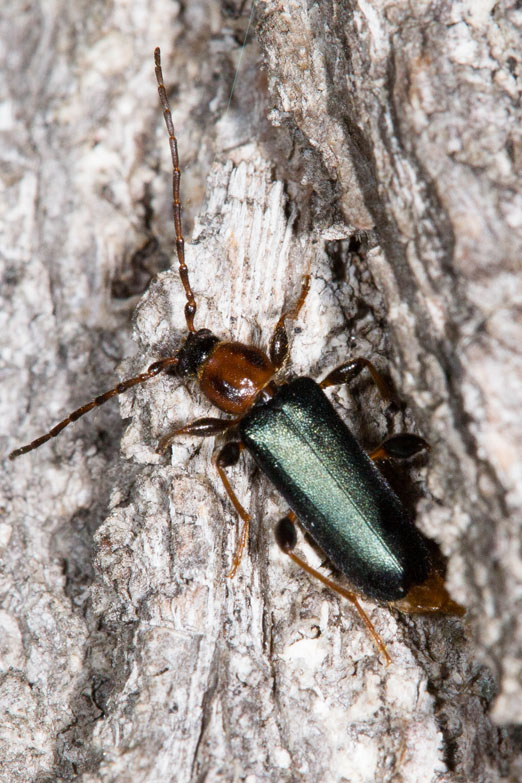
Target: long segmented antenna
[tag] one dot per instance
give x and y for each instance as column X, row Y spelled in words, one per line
column 153, row 370
column 190, row 307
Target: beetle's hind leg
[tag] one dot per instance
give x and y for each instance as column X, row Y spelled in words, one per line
column 286, row 538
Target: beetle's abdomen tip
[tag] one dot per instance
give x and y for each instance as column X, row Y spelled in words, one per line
column 430, row 597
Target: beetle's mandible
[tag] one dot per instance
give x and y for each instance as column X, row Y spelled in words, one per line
column 333, row 488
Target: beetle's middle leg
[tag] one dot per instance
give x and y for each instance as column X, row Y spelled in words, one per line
column 201, row 428
column 225, row 458
column 401, row 446
column 286, row 538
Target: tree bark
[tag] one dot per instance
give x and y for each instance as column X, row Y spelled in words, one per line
column 389, row 171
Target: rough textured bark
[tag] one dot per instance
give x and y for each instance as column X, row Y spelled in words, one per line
column 390, row 171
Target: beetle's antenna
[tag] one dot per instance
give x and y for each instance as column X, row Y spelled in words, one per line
column 190, row 307
column 243, row 45
column 153, row 370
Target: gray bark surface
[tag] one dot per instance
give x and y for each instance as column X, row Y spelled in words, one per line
column 376, row 145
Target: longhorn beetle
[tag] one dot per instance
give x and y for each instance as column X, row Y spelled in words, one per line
column 332, row 486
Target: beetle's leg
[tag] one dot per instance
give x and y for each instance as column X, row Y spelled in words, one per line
column 278, row 350
column 286, row 538
column 402, row 446
column 201, row 428
column 225, row 458
column 349, row 370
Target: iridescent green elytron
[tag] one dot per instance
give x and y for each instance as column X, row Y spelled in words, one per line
column 339, row 496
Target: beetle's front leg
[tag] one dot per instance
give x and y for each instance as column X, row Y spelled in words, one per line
column 225, row 458
column 278, row 349
column 286, row 538
column 346, row 372
column 201, row 428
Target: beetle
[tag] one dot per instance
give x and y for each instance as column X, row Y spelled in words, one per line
column 333, row 488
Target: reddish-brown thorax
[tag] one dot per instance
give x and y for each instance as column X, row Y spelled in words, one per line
column 233, row 375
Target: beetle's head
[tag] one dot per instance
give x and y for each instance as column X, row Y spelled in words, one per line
column 195, row 351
